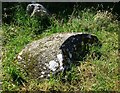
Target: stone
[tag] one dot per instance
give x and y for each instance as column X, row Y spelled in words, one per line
column 36, row 9
column 41, row 13
column 43, row 55
column 52, row 54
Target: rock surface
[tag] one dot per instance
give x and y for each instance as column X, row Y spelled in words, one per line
column 38, row 57
column 48, row 55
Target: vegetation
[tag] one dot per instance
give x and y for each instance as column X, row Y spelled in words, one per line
column 92, row 74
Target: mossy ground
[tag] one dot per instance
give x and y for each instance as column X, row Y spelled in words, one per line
column 92, row 74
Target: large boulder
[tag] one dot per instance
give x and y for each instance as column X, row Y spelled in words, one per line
column 35, row 57
column 48, row 55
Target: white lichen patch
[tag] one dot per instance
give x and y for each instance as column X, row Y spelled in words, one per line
column 42, row 72
column 60, row 58
column 42, row 76
column 48, row 75
column 53, row 65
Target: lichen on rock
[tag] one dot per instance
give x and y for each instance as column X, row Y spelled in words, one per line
column 54, row 53
column 34, row 57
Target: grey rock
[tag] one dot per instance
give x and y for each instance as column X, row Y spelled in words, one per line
column 44, row 56
column 55, row 53
column 36, row 9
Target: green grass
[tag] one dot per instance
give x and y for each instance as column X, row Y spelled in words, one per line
column 91, row 75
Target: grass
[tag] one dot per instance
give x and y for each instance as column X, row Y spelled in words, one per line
column 91, row 75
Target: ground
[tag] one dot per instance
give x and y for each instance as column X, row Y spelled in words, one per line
column 91, row 75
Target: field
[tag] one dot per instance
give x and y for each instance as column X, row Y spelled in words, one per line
column 92, row 74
